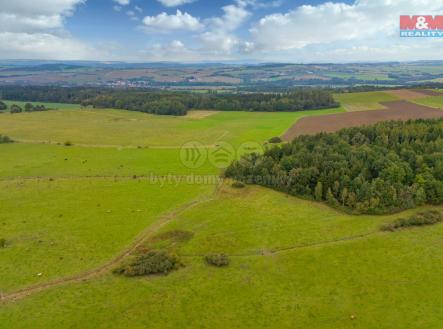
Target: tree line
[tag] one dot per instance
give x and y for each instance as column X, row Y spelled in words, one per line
column 174, row 102
column 376, row 169
column 14, row 108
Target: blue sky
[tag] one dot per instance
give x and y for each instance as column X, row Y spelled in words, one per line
column 213, row 30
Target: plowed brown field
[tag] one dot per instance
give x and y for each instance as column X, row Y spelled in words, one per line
column 397, row 110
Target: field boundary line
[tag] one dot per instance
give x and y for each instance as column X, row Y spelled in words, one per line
column 276, row 251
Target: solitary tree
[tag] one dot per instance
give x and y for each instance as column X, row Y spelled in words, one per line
column 16, row 109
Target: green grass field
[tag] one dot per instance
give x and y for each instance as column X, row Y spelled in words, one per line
column 294, row 263
column 60, row 106
column 364, row 101
column 113, row 128
column 435, row 102
column 67, row 226
column 336, row 270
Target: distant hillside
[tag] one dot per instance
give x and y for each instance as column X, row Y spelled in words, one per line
column 217, row 75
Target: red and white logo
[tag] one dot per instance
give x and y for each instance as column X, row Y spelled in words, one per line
column 421, row 26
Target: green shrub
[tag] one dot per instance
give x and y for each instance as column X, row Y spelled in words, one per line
column 15, row 109
column 5, row 139
column 218, row 260
column 68, row 143
column 2, row 243
column 150, row 263
column 275, row 140
column 420, row 219
column 238, row 185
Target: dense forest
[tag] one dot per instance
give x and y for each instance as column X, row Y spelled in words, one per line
column 376, row 169
column 175, row 103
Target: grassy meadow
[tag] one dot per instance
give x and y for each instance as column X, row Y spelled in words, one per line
column 66, row 210
column 332, row 270
column 59, row 106
column 364, row 101
column 116, row 128
column 435, row 102
column 67, row 226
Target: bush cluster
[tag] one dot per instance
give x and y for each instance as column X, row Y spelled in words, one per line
column 150, row 263
column 218, row 260
column 238, row 185
column 5, row 139
column 2, row 243
column 275, row 140
column 420, row 219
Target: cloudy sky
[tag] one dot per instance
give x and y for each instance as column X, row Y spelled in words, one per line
column 214, row 30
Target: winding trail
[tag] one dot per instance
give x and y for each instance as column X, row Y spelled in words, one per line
column 270, row 252
column 110, row 265
column 150, row 232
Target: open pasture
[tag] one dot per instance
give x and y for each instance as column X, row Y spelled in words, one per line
column 65, row 226
column 78, row 210
column 58, row 106
column 116, row 128
column 40, row 160
column 435, row 102
column 293, row 263
column 364, row 101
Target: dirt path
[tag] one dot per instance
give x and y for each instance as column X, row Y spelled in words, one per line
column 109, row 266
column 396, row 110
column 270, row 252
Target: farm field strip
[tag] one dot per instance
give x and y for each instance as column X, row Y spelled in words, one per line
column 434, row 102
column 397, row 110
column 364, row 101
column 117, row 128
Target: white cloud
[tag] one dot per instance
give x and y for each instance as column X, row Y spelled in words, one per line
column 132, row 15
column 123, row 2
column 174, row 3
column 35, row 29
column 167, row 23
column 233, row 17
column 40, row 7
column 330, row 22
column 178, row 52
column 220, row 36
column 43, row 46
column 173, row 51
